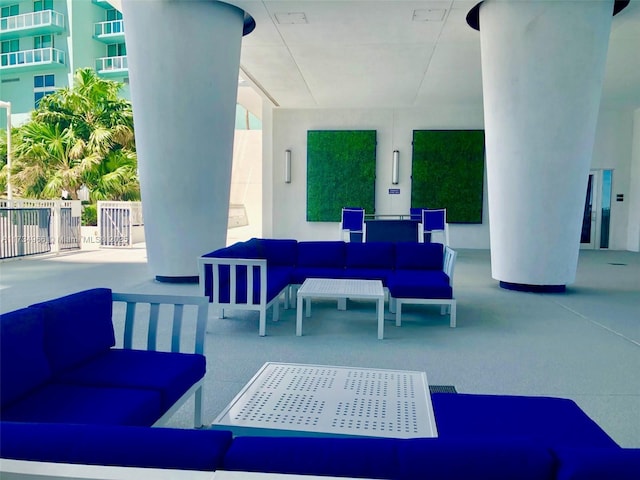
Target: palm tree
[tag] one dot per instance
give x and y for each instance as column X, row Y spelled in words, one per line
column 79, row 136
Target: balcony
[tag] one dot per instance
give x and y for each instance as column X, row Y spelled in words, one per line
column 31, row 24
column 112, row 66
column 27, row 60
column 109, row 32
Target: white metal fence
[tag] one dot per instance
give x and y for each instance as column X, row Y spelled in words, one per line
column 29, row 227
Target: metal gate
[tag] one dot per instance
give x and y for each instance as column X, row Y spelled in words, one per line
column 24, row 231
column 117, row 221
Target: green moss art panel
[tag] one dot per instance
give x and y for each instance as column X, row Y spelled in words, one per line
column 341, row 172
column 448, row 171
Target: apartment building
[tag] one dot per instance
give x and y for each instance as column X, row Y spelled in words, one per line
column 43, row 42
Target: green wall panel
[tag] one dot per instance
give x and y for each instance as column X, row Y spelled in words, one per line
column 341, row 172
column 447, row 172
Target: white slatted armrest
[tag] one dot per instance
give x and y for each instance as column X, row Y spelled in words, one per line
column 234, row 265
column 177, row 303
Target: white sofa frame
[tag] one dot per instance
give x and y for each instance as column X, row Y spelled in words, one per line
column 234, row 264
column 448, row 305
column 177, row 303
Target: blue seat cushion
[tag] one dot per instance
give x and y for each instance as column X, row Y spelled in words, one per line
column 477, row 459
column 300, row 274
column 279, row 252
column 23, row 363
column 321, row 254
column 127, row 446
column 368, row 274
column 374, row 255
column 63, row 403
column 77, row 327
column 344, row 457
column 419, row 284
column 555, row 422
column 598, row 463
column 419, row 256
column 170, row 374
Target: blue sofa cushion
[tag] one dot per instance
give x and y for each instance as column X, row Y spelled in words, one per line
column 375, row 255
column 344, row 457
column 321, row 254
column 171, row 374
column 598, row 463
column 368, row 274
column 126, row 446
column 477, row 459
column 61, row 403
column 419, row 256
column 419, row 284
column 279, row 252
column 555, row 422
column 300, row 274
column 23, row 363
column 77, row 327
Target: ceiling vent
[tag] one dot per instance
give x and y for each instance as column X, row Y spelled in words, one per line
column 428, row 14
column 291, row 18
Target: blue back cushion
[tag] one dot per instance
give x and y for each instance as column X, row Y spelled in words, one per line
column 419, row 256
column 474, row 458
column 279, row 252
column 129, row 446
column 321, row 254
column 23, row 363
column 77, row 327
column 598, row 463
column 370, row 255
column 344, row 457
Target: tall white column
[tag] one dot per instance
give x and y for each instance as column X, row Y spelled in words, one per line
column 542, row 72
column 183, row 68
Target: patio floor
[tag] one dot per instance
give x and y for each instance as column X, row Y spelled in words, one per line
column 583, row 344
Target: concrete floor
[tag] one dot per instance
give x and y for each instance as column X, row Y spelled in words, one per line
column 583, row 344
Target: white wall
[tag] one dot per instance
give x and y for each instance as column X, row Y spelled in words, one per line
column 633, row 232
column 284, row 205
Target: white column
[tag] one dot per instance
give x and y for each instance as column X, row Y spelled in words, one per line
column 633, row 225
column 542, row 71
column 183, row 67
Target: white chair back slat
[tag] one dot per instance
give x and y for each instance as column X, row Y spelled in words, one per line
column 177, row 327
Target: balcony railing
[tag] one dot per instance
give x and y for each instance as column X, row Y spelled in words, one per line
column 107, row 65
column 45, row 21
column 109, row 30
column 37, row 56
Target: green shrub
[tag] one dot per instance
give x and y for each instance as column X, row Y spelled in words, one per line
column 89, row 215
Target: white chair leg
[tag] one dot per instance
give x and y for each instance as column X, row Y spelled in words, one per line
column 452, row 314
column 398, row 312
column 276, row 310
column 197, row 414
column 286, row 298
column 262, row 329
column 392, row 304
column 221, row 313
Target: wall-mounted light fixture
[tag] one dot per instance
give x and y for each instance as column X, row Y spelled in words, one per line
column 395, row 167
column 287, row 166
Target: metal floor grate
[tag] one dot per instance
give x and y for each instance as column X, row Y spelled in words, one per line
column 332, row 400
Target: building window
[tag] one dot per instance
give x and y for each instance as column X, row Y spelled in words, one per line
column 43, row 41
column 43, row 85
column 116, row 50
column 10, row 11
column 7, row 47
column 40, row 5
column 113, row 14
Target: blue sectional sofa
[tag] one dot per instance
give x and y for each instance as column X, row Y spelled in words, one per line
column 59, row 363
column 481, row 437
column 253, row 275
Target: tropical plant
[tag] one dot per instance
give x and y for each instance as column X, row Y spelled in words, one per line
column 80, row 136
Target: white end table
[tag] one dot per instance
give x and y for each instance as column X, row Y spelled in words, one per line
column 340, row 289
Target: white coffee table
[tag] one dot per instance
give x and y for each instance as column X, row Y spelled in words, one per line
column 292, row 399
column 340, row 289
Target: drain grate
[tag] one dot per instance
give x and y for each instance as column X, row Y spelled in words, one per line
column 332, row 400
column 618, row 264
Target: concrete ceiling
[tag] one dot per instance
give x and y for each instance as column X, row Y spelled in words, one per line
column 392, row 53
